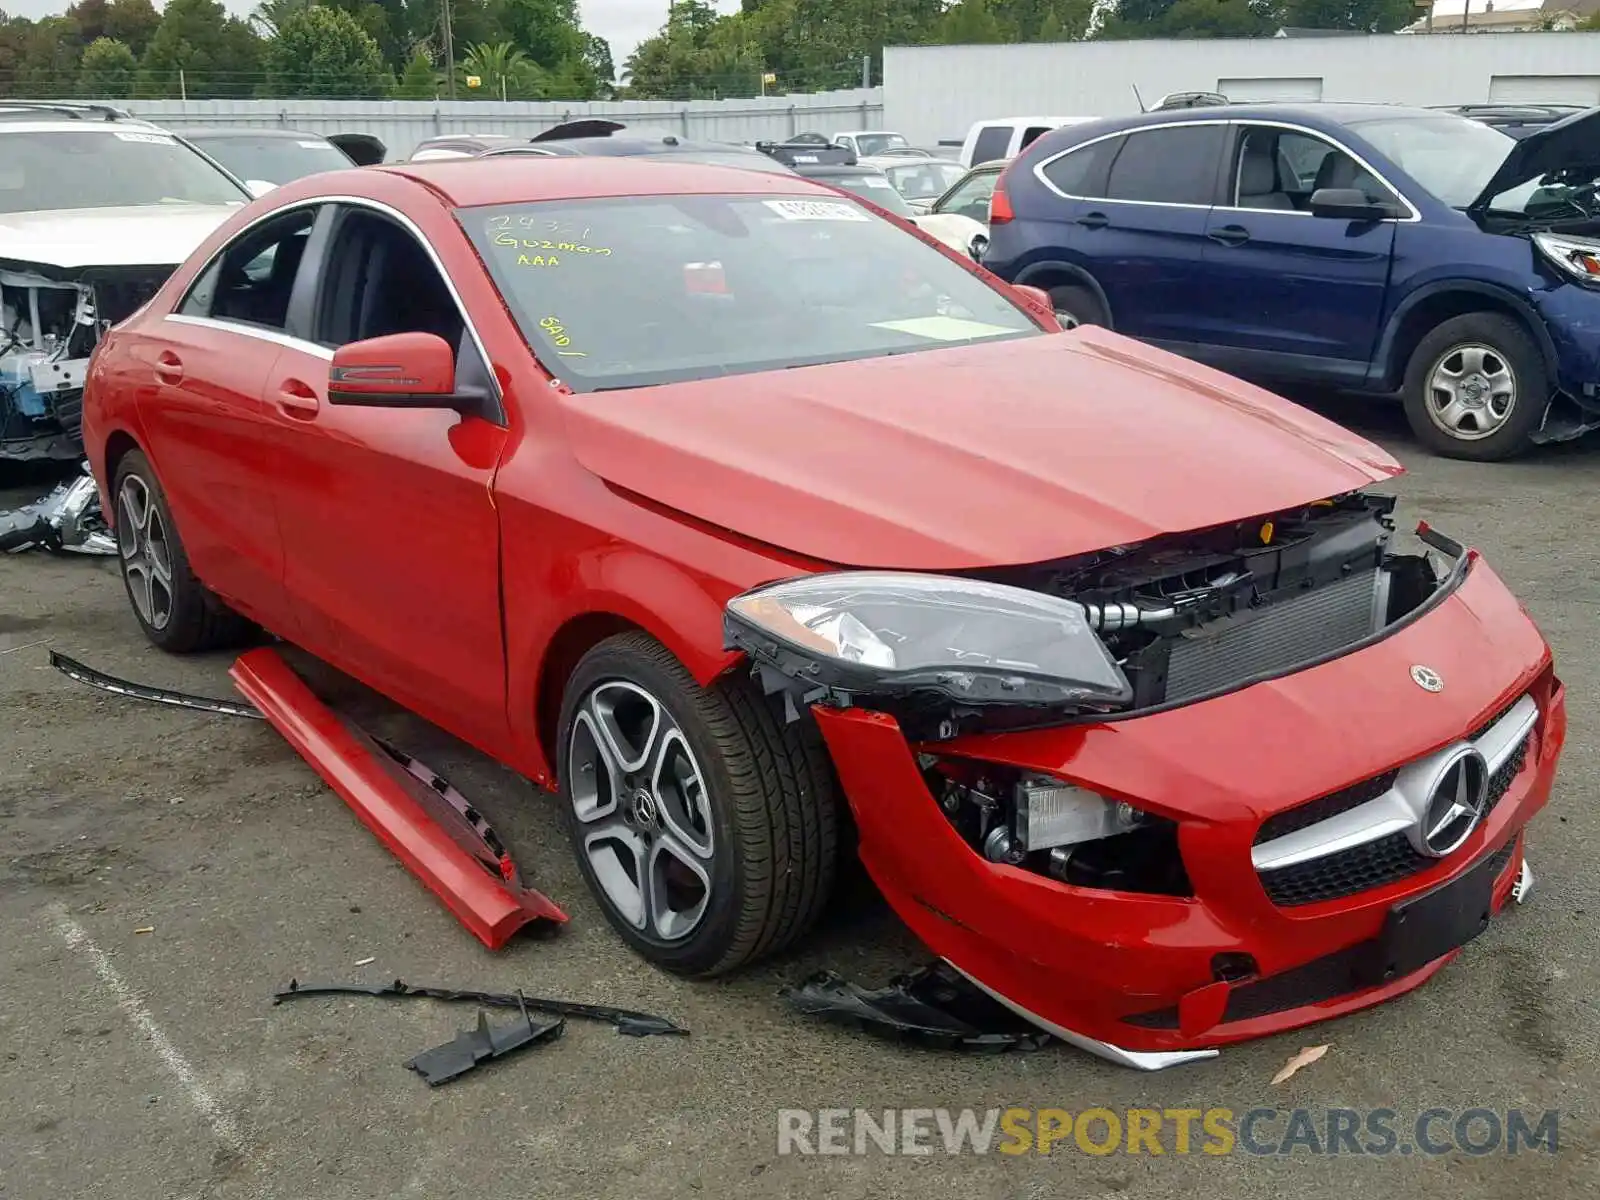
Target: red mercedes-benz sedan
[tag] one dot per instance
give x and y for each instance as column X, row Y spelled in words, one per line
column 735, row 511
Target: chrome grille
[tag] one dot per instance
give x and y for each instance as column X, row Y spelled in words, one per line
column 1354, row 839
column 1279, row 637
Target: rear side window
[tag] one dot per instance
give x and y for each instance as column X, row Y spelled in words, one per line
column 1082, row 172
column 1032, row 134
column 1168, row 166
column 992, row 143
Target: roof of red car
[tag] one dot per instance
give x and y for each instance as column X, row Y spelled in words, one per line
column 470, row 182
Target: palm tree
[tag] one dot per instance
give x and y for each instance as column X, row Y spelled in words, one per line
column 269, row 15
column 504, row 69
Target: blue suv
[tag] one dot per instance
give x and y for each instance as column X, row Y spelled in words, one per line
column 1362, row 247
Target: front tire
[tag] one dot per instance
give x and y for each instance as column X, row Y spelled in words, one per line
column 176, row 611
column 1476, row 388
column 1076, row 306
column 707, row 829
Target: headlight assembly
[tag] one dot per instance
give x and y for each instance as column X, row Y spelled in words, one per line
column 890, row 633
column 1576, row 257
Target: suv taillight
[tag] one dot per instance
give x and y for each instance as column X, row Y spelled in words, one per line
column 1000, row 203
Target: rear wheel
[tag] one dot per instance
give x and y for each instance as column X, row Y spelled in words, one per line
column 1076, row 306
column 176, row 611
column 707, row 828
column 1476, row 388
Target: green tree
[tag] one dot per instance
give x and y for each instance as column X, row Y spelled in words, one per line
column 504, row 72
column 199, row 50
column 419, row 81
column 547, row 31
column 324, row 52
column 969, row 22
column 108, row 70
column 39, row 59
column 132, row 22
column 1368, row 16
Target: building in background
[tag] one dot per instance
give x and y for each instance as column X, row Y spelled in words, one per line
column 1504, row 16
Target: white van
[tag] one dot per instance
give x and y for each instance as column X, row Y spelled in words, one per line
column 1007, row 137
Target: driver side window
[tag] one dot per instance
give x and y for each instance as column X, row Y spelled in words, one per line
column 251, row 281
column 971, row 199
column 379, row 279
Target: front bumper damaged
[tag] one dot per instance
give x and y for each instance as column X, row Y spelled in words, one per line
column 1154, row 980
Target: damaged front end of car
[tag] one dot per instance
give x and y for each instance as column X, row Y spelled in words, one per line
column 51, row 320
column 1122, row 632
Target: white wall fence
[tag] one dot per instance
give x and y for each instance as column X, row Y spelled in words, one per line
column 401, row 124
column 937, row 92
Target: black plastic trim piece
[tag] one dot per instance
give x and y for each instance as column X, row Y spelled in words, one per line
column 73, row 669
column 627, row 1020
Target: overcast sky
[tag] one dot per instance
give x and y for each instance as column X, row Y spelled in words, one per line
column 623, row 23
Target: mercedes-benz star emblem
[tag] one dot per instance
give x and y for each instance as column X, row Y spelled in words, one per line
column 1455, row 805
column 1427, row 678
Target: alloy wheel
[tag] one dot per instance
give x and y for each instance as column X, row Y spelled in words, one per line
column 1066, row 319
column 146, row 553
column 1471, row 391
column 642, row 809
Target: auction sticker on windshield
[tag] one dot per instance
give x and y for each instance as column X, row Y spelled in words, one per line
column 943, row 329
column 816, row 210
column 155, row 139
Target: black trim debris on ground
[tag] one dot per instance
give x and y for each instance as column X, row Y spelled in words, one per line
column 933, row 1006
column 626, row 1020
column 73, row 669
column 473, row 1047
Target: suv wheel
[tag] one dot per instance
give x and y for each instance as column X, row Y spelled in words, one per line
column 706, row 827
column 1076, row 306
column 1476, row 388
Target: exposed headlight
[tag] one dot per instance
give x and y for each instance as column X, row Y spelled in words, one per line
column 1577, row 257
column 891, row 632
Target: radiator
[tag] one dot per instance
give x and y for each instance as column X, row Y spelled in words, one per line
column 1224, row 653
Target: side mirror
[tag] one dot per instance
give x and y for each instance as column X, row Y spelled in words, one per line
column 259, row 187
column 1346, row 204
column 979, row 244
column 399, row 370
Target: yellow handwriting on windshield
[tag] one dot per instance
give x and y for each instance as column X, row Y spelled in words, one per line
column 557, row 333
column 513, row 242
column 537, row 260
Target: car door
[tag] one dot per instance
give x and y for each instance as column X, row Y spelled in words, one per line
column 1135, row 210
column 1288, row 291
column 391, row 543
column 208, row 429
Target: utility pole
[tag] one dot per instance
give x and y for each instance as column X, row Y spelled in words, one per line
column 449, row 49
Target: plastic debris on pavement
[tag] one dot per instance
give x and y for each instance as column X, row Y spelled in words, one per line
column 68, row 520
column 934, row 1006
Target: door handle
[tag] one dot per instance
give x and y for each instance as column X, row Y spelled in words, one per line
column 169, row 367
column 298, row 399
column 1094, row 220
column 1229, row 235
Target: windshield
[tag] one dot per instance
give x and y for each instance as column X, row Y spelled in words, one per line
column 924, row 181
column 635, row 291
column 875, row 188
column 275, row 159
column 70, row 169
column 1450, row 156
column 868, row 144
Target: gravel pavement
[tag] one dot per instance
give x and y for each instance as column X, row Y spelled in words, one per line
column 152, row 1065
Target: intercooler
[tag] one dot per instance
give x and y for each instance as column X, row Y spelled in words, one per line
column 1224, row 653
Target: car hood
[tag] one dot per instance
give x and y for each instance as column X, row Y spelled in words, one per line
column 1570, row 142
column 65, row 243
column 1004, row 453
